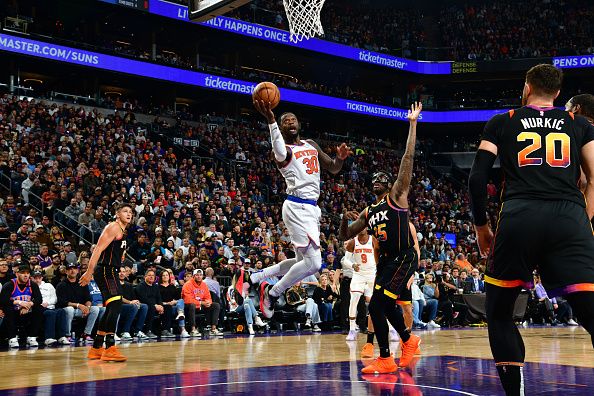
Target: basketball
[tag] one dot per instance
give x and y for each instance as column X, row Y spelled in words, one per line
column 268, row 92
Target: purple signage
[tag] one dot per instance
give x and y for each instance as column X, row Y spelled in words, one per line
column 571, row 62
column 176, row 11
column 145, row 69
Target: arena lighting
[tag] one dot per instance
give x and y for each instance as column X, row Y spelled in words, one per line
column 112, row 93
column 33, row 80
column 97, row 60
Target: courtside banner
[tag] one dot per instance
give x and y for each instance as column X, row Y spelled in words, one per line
column 279, row 36
column 76, row 56
column 571, row 62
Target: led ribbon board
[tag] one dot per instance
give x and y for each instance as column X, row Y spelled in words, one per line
column 97, row 60
column 279, row 36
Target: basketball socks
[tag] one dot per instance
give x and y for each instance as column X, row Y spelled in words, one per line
column 512, row 379
column 352, row 324
column 109, row 340
column 98, row 342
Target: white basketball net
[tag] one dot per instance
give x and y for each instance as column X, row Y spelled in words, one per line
column 304, row 18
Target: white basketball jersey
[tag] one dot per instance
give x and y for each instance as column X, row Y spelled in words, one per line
column 302, row 173
column 365, row 256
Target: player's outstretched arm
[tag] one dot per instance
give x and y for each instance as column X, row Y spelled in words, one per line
column 399, row 191
column 477, row 186
column 348, row 231
column 588, row 169
column 110, row 232
column 279, row 149
column 332, row 165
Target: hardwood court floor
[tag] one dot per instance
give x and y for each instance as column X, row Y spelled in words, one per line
column 561, row 360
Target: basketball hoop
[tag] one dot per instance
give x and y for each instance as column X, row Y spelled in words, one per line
column 304, row 18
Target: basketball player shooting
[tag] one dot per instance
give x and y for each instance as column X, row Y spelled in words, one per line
column 107, row 257
column 299, row 162
column 388, row 220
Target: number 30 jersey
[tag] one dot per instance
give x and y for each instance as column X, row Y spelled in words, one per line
column 302, row 172
column 539, row 149
column 390, row 226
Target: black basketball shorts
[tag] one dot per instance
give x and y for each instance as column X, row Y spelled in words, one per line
column 553, row 237
column 108, row 282
column 393, row 276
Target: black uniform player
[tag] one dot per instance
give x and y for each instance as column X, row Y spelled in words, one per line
column 108, row 256
column 388, row 221
column 543, row 223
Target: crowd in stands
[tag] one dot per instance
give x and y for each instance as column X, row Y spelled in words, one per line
column 199, row 229
column 500, row 30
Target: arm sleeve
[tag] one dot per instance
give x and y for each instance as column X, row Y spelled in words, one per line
column 278, row 143
column 347, row 260
column 477, row 185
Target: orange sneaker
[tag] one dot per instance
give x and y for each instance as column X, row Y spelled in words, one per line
column 112, row 354
column 367, row 351
column 408, row 350
column 417, row 352
column 381, row 366
column 95, row 353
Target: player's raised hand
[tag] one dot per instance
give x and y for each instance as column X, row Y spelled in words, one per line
column 351, row 215
column 414, row 112
column 484, row 238
column 343, row 151
column 265, row 109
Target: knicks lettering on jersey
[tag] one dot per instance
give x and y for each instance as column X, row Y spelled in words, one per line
column 363, row 250
column 310, row 160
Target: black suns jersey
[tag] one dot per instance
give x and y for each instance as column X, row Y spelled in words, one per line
column 113, row 255
column 539, row 150
column 390, row 225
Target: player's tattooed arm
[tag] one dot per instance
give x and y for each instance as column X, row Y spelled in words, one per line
column 332, row 165
column 399, row 191
column 348, row 231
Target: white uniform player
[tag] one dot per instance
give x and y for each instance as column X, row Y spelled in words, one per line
column 301, row 213
column 364, row 258
column 361, row 256
column 300, row 162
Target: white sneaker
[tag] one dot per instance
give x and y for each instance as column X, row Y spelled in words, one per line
column 572, row 322
column 216, row 332
column 352, row 336
column 116, row 338
column 13, row 342
column 250, row 329
column 142, row 336
column 180, row 315
column 525, row 323
column 394, row 335
column 185, row 334
column 50, row 341
column 126, row 336
column 63, row 341
column 32, row 341
column 316, row 328
column 195, row 333
column 258, row 322
column 434, row 325
column 307, row 323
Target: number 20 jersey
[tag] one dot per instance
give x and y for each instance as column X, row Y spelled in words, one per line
column 539, row 151
column 302, row 172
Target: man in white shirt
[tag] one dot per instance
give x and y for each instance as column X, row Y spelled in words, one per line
column 53, row 318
